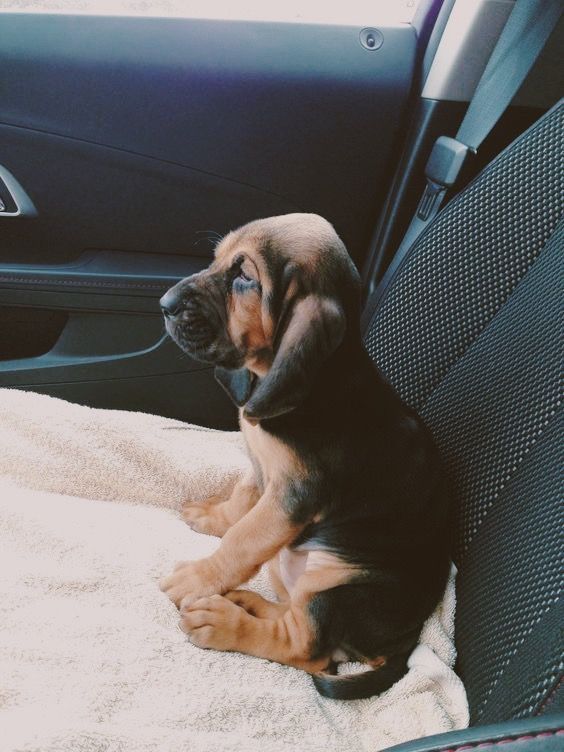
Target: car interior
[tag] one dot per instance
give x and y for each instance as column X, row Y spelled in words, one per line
column 132, row 141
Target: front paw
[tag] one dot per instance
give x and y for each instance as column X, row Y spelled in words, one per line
column 191, row 580
column 213, row 622
column 205, row 518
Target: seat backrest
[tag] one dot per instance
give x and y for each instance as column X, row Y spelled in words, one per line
column 469, row 332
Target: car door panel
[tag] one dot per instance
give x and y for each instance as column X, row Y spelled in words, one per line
column 140, row 141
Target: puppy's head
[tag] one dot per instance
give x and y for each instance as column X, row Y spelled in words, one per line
column 275, row 303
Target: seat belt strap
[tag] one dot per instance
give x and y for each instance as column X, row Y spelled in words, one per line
column 523, row 37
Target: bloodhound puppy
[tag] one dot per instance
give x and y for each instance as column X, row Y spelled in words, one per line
column 345, row 501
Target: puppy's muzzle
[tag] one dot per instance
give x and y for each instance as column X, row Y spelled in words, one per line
column 185, row 314
column 182, row 307
column 193, row 321
column 171, row 304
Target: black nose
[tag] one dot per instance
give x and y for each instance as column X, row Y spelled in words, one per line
column 171, row 304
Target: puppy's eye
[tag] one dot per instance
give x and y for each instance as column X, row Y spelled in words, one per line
column 242, row 282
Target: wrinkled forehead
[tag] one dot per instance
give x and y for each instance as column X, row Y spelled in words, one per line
column 235, row 244
column 273, row 242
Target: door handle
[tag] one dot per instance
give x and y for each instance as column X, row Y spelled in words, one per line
column 14, row 201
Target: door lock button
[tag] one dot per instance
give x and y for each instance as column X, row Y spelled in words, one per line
column 371, row 39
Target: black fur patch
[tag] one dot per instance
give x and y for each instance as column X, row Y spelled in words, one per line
column 238, row 383
column 375, row 485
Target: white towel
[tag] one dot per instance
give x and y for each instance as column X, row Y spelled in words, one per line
column 91, row 658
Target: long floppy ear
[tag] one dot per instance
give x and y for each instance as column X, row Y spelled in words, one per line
column 238, row 383
column 315, row 330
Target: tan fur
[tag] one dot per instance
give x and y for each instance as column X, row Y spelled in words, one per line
column 304, row 246
column 276, row 460
column 252, row 541
column 255, row 605
column 323, row 571
column 378, row 662
column 220, row 624
column 217, row 514
column 245, row 323
column 279, row 632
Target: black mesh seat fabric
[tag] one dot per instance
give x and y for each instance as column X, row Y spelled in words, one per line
column 469, row 330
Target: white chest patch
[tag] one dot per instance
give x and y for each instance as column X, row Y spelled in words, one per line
column 292, row 566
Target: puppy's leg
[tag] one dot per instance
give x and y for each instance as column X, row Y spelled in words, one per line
column 293, row 637
column 260, row 534
column 216, row 515
column 216, row 622
column 256, row 605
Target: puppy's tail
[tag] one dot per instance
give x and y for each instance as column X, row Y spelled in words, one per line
column 365, row 684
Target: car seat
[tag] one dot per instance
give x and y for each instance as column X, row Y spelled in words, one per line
column 467, row 326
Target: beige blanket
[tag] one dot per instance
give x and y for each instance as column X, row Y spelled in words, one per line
column 91, row 658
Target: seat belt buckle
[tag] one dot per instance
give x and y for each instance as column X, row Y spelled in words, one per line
column 429, row 199
column 442, row 169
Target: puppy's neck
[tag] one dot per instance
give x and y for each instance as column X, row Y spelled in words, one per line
column 349, row 366
column 339, row 387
